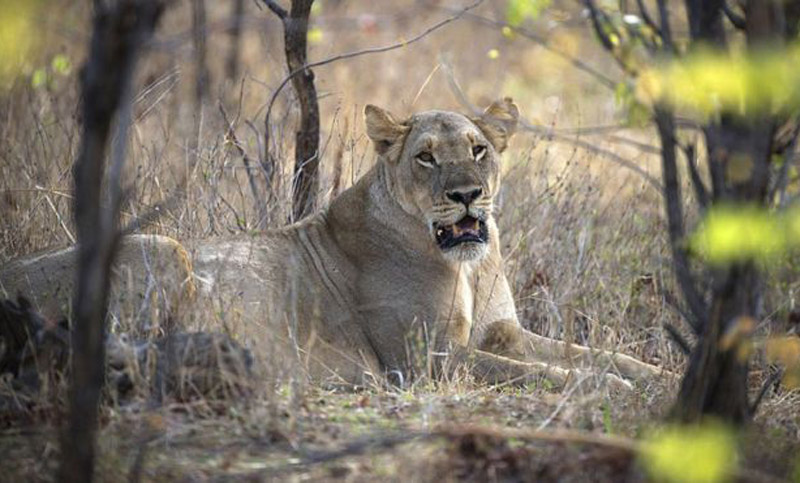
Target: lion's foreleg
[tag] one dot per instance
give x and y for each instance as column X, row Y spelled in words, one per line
column 496, row 369
column 509, row 339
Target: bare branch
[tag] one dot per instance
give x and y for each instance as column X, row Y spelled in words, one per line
column 551, row 134
column 604, row 80
column 700, row 189
column 350, row 55
column 647, row 18
column 778, row 188
column 672, row 199
column 276, row 9
column 597, row 18
column 737, row 20
column 665, row 29
column 771, row 381
column 679, row 340
column 705, row 21
column 230, row 137
column 675, row 305
column 232, row 64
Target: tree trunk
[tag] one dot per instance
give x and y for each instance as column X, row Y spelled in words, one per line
column 715, row 382
column 119, row 31
column 232, row 64
column 306, row 155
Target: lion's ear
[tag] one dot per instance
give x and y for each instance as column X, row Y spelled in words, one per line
column 383, row 129
column 499, row 122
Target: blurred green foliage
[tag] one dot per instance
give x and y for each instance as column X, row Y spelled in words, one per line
column 691, row 454
column 18, row 37
column 315, row 35
column 733, row 233
column 519, row 11
column 45, row 77
column 636, row 113
column 707, row 82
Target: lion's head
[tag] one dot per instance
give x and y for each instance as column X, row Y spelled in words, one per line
column 443, row 169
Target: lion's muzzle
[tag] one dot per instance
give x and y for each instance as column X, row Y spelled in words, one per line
column 466, row 230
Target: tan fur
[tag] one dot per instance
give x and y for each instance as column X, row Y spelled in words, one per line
column 151, row 281
column 362, row 290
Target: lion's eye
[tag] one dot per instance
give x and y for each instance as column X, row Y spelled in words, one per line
column 478, row 152
column 426, row 159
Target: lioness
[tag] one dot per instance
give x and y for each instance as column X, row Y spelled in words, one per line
column 411, row 248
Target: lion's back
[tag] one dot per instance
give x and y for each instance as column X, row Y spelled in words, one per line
column 152, row 276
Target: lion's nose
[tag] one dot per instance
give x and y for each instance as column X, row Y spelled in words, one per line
column 465, row 196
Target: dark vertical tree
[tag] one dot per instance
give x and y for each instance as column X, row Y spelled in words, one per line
column 306, row 155
column 232, row 64
column 120, row 29
column 718, row 298
column 199, row 32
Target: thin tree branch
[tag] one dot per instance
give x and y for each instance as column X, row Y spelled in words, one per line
column 737, row 20
column 276, row 9
column 672, row 198
column 700, row 189
column 230, row 136
column 647, row 18
column 772, row 380
column 550, row 134
column 778, row 188
column 599, row 19
column 675, row 305
column 232, row 64
column 604, row 80
column 351, row 55
column 665, row 29
column 678, row 339
column 612, row 156
column 594, row 15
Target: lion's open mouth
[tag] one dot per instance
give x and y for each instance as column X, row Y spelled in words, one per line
column 466, row 230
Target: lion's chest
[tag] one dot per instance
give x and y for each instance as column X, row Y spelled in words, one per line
column 415, row 308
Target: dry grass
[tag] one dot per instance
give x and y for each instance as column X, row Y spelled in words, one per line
column 583, row 237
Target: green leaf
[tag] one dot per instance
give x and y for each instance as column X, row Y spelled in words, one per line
column 622, row 93
column 519, row 11
column 39, row 78
column 61, row 65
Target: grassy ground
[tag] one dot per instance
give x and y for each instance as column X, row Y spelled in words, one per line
column 583, row 238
